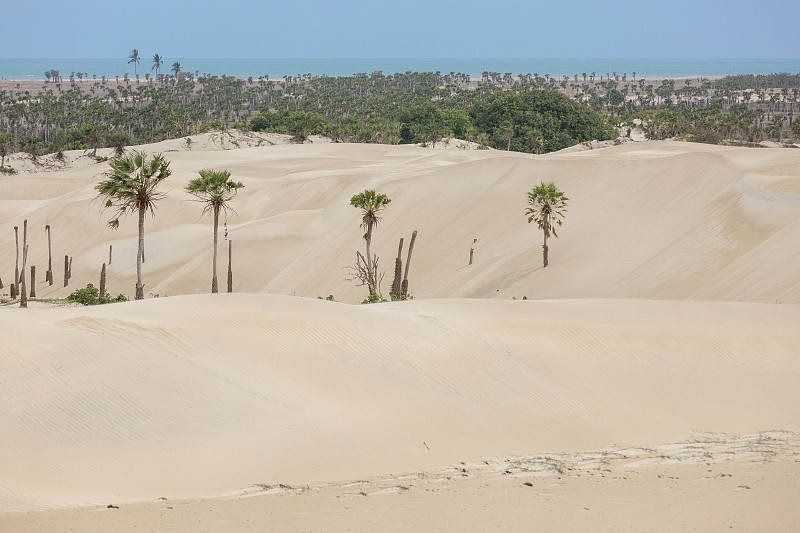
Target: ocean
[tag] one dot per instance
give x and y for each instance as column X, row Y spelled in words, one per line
column 31, row 69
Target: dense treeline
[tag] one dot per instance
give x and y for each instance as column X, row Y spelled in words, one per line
column 528, row 113
column 400, row 108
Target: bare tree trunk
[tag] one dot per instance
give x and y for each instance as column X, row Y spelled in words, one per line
column 214, row 287
column 70, row 268
column 16, row 267
column 230, row 272
column 404, row 288
column 397, row 283
column 103, row 281
column 23, row 296
column 49, row 275
column 66, row 270
column 1, row 283
column 471, row 251
column 110, row 246
column 140, row 258
column 33, row 281
column 13, row 291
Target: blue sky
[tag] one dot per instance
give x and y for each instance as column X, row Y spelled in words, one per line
column 405, row 28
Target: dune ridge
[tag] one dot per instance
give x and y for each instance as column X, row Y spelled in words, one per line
column 650, row 220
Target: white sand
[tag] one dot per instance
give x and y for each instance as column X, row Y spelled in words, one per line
column 633, row 336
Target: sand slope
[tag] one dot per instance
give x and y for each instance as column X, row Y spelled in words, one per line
column 207, row 395
column 658, row 220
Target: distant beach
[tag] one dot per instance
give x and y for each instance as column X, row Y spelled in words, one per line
column 34, row 69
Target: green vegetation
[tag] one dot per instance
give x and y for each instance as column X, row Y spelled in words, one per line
column 90, row 295
column 547, row 208
column 404, row 107
column 366, row 268
column 527, row 113
column 215, row 190
column 131, row 187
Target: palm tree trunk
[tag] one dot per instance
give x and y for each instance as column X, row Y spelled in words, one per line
column 370, row 274
column 230, row 272
column 404, row 287
column 398, row 269
column 103, row 281
column 16, row 268
column 139, row 257
column 49, row 275
column 214, row 287
column 544, row 246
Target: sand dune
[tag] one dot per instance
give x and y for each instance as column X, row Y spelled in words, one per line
column 201, row 395
column 646, row 220
column 670, row 307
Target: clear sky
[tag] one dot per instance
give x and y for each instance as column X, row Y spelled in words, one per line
column 404, row 28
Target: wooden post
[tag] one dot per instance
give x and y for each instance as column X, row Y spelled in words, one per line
column 471, row 251
column 49, row 275
column 66, row 270
column 404, row 288
column 230, row 272
column 397, row 283
column 103, row 281
column 33, row 281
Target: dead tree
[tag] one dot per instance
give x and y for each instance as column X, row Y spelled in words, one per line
column 103, row 281
column 1, row 283
column 16, row 267
column 70, row 268
column 23, row 289
column 109, row 254
column 404, row 288
column 33, row 281
column 13, row 291
column 66, row 270
column 397, row 283
column 230, row 272
column 49, row 274
column 367, row 273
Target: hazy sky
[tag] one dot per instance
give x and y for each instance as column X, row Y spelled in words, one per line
column 405, row 28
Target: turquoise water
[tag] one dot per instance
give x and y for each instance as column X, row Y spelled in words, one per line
column 276, row 68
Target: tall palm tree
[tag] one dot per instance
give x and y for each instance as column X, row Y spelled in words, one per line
column 176, row 68
column 215, row 189
column 547, row 208
column 131, row 187
column 157, row 62
column 133, row 57
column 370, row 204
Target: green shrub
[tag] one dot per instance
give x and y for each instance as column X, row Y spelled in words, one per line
column 373, row 299
column 90, row 295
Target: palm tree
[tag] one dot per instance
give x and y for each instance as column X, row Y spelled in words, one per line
column 157, row 62
column 215, row 189
column 131, row 187
column 176, row 68
column 370, row 204
column 133, row 57
column 547, row 208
